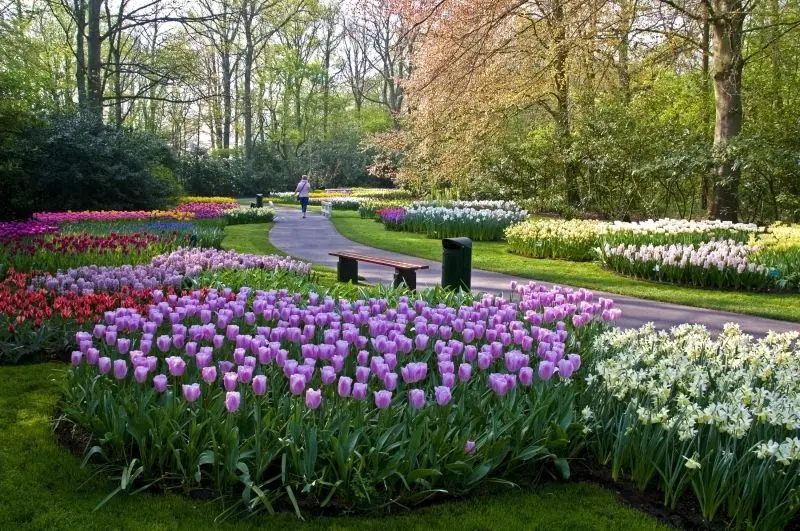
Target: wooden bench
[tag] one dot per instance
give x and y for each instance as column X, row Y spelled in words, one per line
column 405, row 273
column 327, row 208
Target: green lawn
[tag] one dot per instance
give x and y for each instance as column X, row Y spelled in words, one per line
column 43, row 486
column 254, row 239
column 494, row 256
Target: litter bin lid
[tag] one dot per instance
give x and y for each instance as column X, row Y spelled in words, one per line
column 456, row 243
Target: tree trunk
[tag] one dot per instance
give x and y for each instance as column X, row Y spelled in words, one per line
column 94, row 77
column 562, row 118
column 728, row 64
column 705, row 184
column 80, row 60
column 226, row 100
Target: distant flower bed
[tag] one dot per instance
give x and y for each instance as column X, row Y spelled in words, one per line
column 573, row 239
column 717, row 419
column 207, row 199
column 311, row 400
column 475, row 205
column 443, row 222
column 241, row 215
column 110, row 215
column 717, row 264
column 206, row 210
column 12, row 231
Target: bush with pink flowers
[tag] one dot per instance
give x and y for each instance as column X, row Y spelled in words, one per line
column 295, row 400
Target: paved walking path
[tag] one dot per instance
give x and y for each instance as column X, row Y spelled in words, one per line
column 311, row 239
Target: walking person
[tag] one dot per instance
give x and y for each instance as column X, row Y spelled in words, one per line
column 303, row 191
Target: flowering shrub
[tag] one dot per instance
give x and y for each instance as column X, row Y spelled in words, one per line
column 441, row 222
column 205, row 199
column 11, row 231
column 110, row 215
column 206, row 210
column 716, row 264
column 242, row 215
column 308, row 400
column 719, row 417
column 573, row 239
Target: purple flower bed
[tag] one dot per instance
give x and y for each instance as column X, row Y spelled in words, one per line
column 335, row 399
column 164, row 271
column 17, row 230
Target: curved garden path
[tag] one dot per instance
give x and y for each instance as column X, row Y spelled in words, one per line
column 312, row 238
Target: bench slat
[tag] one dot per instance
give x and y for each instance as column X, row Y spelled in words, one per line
column 380, row 261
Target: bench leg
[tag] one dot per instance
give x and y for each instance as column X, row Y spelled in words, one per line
column 407, row 277
column 347, row 270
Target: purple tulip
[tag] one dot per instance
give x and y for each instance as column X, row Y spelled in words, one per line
column 313, row 398
column 526, row 376
column 191, row 349
column 232, row 400
column 328, row 375
column 565, row 369
column 484, row 360
column 104, row 365
column 362, row 374
column 362, row 358
column 163, row 343
column 416, row 397
column 464, row 372
column 359, row 391
column 449, row 380
column 498, row 383
column 546, row 370
column 123, row 345
column 470, row 353
column 209, row 374
column 179, row 340
column 344, row 387
column 92, row 356
column 297, row 384
column 218, row 341
column 230, row 380
column 77, row 356
column 146, row 345
column 390, row 381
column 245, row 373
column 259, row 385
column 469, row 447
column 176, row 365
column 160, row 382
column 575, row 360
column 231, row 332
column 383, row 399
column 442, row 394
column 120, row 369
column 191, row 392
column 421, row 342
column 140, row 373
column 111, row 337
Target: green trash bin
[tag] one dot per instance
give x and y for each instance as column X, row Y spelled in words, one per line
column 457, row 263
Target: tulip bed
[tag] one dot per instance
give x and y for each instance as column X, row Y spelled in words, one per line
column 303, row 400
column 714, row 419
column 242, row 215
column 486, row 224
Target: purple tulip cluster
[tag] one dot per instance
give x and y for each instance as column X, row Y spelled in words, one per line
column 191, row 262
column 164, row 271
column 17, row 230
column 246, row 343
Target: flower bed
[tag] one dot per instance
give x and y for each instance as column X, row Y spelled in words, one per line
column 12, row 231
column 206, row 210
column 716, row 264
column 667, row 231
column 780, row 249
column 474, row 205
column 200, row 233
column 206, row 199
column 719, row 418
column 110, row 215
column 306, row 400
column 441, row 222
column 242, row 215
column 555, row 238
column 190, row 262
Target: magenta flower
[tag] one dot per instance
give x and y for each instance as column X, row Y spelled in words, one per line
column 245, row 373
column 484, row 360
column 297, row 384
column 383, row 399
column 218, row 341
column 469, row 447
column 449, row 380
column 104, row 365
column 111, row 337
column 176, row 365
column 362, row 374
column 160, row 382
column 232, row 400
column 123, row 345
column 421, row 342
column 92, row 356
column 442, row 394
column 313, row 398
column 498, row 383
column 259, row 385
column 575, row 360
column 345, row 386
column 191, row 349
column 77, row 356
column 464, row 372
column 359, row 391
column 565, row 369
column 120, row 369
